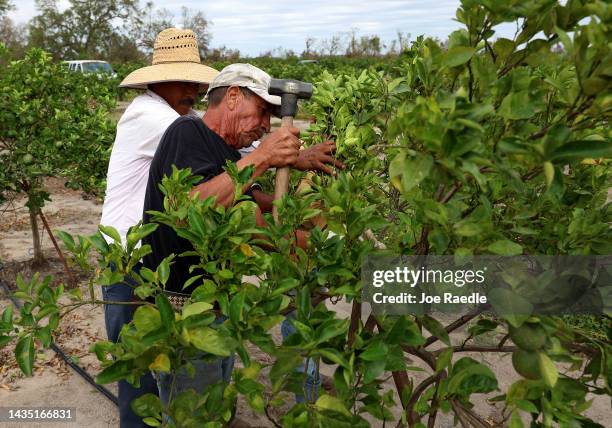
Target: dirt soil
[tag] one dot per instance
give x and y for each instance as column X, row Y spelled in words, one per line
column 55, row 384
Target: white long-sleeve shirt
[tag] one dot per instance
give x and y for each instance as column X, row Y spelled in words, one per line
column 139, row 132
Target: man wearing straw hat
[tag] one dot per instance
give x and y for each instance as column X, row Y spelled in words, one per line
column 172, row 83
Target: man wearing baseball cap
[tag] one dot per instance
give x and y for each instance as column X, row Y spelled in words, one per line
column 171, row 85
column 239, row 110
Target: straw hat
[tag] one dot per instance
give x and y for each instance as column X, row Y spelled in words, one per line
column 175, row 59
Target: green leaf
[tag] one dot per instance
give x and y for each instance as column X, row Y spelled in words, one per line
column 111, row 232
column 482, row 326
column 303, row 302
column 209, row 340
column 548, row 370
column 286, row 361
column 406, row 173
column 99, row 243
column 330, row 329
column 304, row 330
column 503, row 48
column 7, row 315
column 458, row 55
column 517, row 105
column 256, row 401
column 147, row 404
column 284, row 286
column 549, row 172
column 373, row 369
column 236, row 307
column 515, row 420
column 4, row 340
column 195, row 309
column 161, row 363
column 44, row 335
column 375, row 351
column 163, row 269
column 152, row 422
column 405, row 331
column 24, row 354
column 196, row 222
column 435, row 328
column 444, row 359
column 225, row 274
column 505, row 247
column 334, row 356
column 165, row 310
column 67, row 240
column 527, row 406
column 583, row 149
column 511, row 306
column 147, row 319
column 474, row 378
column 328, row 402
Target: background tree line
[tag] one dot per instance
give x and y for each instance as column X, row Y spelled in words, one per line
column 118, row 31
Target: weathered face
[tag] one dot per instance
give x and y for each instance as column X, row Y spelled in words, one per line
column 251, row 117
column 180, row 95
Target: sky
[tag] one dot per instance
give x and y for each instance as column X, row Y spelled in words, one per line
column 255, row 26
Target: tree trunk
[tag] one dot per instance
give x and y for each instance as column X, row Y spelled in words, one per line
column 38, row 254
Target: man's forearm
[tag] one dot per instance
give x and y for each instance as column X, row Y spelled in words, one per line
column 222, row 185
column 264, row 201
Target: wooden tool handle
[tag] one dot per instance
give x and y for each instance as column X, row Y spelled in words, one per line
column 281, row 185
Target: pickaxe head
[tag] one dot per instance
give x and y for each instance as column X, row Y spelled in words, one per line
column 290, row 91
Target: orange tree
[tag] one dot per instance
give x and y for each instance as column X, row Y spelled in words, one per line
column 53, row 123
column 489, row 146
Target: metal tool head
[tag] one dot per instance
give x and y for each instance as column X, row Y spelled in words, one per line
column 290, row 91
column 302, row 90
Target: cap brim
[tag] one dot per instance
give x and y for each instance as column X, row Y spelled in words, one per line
column 272, row 99
column 170, row 72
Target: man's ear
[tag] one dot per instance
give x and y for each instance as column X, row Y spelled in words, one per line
column 233, row 96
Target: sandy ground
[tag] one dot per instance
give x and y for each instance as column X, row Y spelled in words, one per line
column 55, row 384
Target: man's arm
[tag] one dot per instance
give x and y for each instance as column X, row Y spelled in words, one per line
column 280, row 149
column 264, row 201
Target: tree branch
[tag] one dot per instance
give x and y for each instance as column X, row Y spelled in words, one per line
column 474, row 348
column 458, row 323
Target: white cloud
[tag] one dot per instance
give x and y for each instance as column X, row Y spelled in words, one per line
column 256, row 26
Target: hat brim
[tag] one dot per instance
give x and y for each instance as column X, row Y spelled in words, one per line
column 169, row 72
column 275, row 100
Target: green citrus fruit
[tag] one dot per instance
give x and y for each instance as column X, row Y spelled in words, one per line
column 526, row 363
column 27, row 159
column 529, row 336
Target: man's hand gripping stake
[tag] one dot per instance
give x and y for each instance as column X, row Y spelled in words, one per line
column 290, row 91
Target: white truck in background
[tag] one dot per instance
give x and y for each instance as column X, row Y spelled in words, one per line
column 91, row 66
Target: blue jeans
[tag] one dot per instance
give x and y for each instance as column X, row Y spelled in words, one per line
column 313, row 381
column 115, row 316
column 206, row 373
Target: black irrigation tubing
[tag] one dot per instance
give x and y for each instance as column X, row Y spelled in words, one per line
column 82, row 372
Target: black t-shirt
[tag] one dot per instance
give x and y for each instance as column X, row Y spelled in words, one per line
column 187, row 143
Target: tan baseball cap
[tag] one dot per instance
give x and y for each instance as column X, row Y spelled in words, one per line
column 247, row 76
